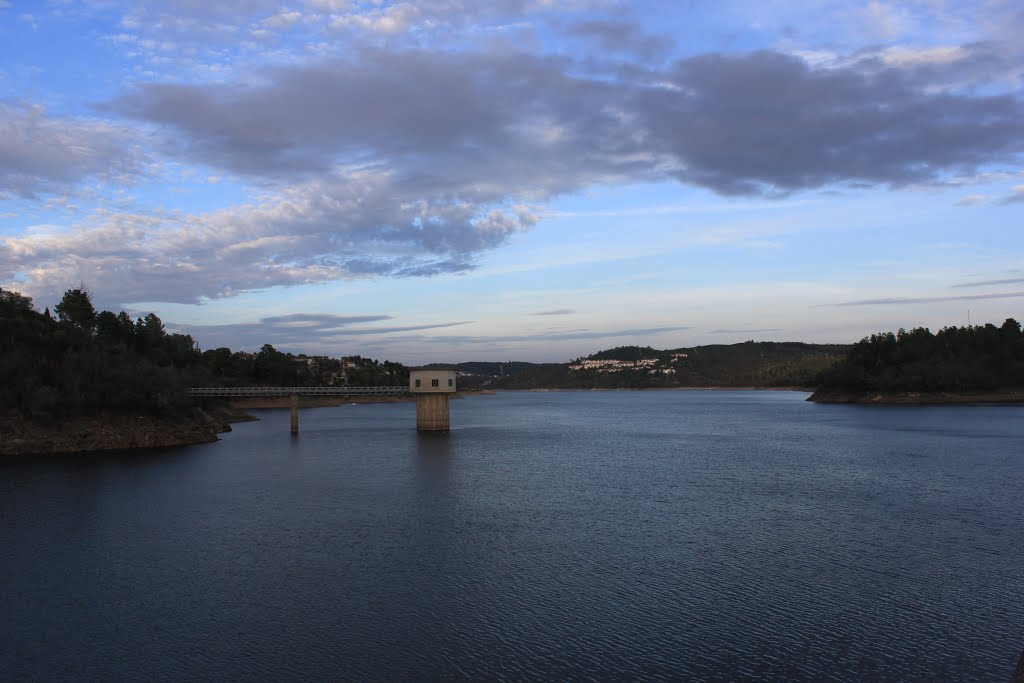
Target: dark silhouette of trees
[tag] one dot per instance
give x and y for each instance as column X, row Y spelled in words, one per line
column 88, row 363
column 76, row 310
column 974, row 358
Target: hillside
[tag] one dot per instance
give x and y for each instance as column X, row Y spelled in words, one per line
column 87, row 380
column 957, row 361
column 759, row 364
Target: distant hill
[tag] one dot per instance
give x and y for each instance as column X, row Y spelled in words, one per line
column 759, row 364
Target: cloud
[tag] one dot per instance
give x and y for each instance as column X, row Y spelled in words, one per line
column 640, row 333
column 769, row 123
column 761, row 123
column 299, row 331
column 1015, row 197
column 620, row 36
column 931, row 300
column 362, row 224
column 43, row 154
column 557, row 311
column 973, row 199
column 986, row 283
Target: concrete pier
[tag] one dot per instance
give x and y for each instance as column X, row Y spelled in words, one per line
column 295, row 413
column 433, row 388
column 432, row 413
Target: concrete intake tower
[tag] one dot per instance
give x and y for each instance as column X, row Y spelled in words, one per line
column 433, row 388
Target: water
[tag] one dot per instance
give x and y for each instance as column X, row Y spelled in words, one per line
column 583, row 536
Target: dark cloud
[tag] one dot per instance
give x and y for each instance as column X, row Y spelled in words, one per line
column 769, row 123
column 932, row 299
column 557, row 311
column 493, row 126
column 621, row 36
column 986, row 283
column 43, row 154
column 760, row 123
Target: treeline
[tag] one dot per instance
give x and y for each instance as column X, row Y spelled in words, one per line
column 80, row 362
column 627, row 353
column 954, row 359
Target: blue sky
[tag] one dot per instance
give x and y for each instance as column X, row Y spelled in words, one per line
column 521, row 179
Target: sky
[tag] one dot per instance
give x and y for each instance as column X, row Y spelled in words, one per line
column 454, row 180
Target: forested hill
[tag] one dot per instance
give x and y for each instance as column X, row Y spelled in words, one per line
column 761, row 364
column 976, row 358
column 82, row 363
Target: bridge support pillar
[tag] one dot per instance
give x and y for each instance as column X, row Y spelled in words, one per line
column 295, row 413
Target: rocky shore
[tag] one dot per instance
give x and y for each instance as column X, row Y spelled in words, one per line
column 919, row 398
column 114, row 433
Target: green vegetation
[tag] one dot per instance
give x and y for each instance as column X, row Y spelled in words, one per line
column 955, row 359
column 627, row 353
column 84, row 364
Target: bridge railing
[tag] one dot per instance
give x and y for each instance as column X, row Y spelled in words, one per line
column 301, row 391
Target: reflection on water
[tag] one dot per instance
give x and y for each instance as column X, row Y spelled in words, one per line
column 603, row 535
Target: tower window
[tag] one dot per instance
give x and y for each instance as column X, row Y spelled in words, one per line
column 435, row 383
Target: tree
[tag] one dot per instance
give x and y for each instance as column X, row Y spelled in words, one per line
column 13, row 304
column 149, row 333
column 115, row 330
column 76, row 310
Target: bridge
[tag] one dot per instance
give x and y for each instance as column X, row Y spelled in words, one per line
column 432, row 387
column 294, row 393
column 300, row 391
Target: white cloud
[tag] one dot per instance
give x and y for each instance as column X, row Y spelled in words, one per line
column 350, row 225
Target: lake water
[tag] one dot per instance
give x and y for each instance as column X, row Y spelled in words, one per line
column 563, row 536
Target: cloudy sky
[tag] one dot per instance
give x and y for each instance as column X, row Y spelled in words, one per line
column 450, row 180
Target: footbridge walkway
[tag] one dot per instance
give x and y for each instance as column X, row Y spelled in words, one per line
column 294, row 393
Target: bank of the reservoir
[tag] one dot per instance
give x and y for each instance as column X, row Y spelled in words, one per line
column 115, row 432
column 919, row 398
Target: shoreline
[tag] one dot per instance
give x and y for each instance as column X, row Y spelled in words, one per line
column 99, row 434
column 918, row 398
column 83, row 436
column 707, row 388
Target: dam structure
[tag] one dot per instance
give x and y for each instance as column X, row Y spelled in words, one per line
column 433, row 388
